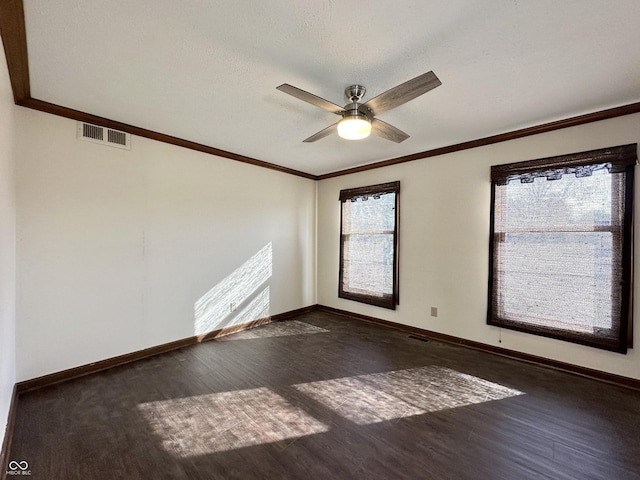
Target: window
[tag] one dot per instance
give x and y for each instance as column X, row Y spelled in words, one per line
column 369, row 244
column 561, row 254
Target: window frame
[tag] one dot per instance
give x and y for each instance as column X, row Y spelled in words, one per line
column 618, row 160
column 391, row 301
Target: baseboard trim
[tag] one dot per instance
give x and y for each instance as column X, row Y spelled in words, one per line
column 94, row 367
column 256, row 323
column 294, row 313
column 8, row 434
column 80, row 371
column 503, row 352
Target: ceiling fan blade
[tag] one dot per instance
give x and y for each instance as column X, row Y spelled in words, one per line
column 404, row 92
column 322, row 133
column 311, row 98
column 384, row 130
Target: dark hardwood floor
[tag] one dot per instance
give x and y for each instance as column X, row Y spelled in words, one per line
column 327, row 397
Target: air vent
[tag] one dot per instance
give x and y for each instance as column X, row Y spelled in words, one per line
column 91, row 131
column 103, row 135
column 416, row 337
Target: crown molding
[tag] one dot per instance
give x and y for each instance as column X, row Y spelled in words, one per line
column 13, row 32
column 502, row 137
column 160, row 137
column 14, row 39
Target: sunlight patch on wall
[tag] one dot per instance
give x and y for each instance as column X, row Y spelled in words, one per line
column 225, row 304
column 255, row 309
column 386, row 396
column 277, row 329
column 219, row 422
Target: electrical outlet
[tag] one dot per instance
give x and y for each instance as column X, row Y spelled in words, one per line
column 434, row 311
column 233, row 306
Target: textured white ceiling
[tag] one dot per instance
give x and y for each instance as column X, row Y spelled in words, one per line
column 207, row 70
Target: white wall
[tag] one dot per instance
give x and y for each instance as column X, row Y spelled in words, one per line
column 117, row 248
column 444, row 241
column 7, row 245
column 123, row 250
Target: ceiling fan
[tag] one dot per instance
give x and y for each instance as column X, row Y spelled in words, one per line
column 359, row 119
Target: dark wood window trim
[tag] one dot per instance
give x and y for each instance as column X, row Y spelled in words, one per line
column 619, row 161
column 362, row 194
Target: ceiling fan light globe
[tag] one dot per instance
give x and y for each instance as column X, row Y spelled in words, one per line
column 354, row 127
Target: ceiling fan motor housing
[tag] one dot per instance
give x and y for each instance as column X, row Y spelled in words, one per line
column 355, row 109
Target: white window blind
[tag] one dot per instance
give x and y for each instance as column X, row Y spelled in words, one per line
column 561, row 247
column 368, row 246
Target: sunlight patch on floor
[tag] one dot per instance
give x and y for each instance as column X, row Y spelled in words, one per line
column 219, row 422
column 393, row 395
column 277, row 329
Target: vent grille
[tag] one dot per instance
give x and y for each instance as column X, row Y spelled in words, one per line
column 103, row 135
column 114, row 136
column 422, row 339
column 91, row 131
